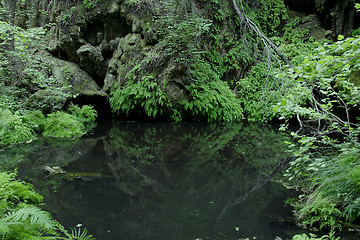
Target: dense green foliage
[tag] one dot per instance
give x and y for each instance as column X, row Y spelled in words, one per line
column 16, row 128
column 181, row 28
column 327, row 164
column 30, row 98
column 271, row 15
column 210, row 98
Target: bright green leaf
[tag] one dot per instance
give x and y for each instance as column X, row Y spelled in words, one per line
column 340, row 37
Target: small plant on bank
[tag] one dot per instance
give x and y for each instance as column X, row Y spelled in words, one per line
column 16, row 128
column 313, row 237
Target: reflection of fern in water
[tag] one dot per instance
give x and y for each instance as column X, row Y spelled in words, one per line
column 146, row 148
column 206, row 145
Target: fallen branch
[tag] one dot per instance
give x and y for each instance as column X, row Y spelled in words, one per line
column 269, row 45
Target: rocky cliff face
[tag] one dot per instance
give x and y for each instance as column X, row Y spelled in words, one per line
column 100, row 39
column 107, row 40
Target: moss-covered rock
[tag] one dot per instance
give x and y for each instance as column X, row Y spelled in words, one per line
column 130, row 48
column 68, row 82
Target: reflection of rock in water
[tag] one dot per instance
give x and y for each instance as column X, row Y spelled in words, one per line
column 32, row 158
column 173, row 150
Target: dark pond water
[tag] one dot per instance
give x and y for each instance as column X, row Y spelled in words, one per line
column 169, row 181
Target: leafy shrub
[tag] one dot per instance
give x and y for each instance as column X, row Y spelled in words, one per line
column 14, row 129
column 19, row 216
column 330, row 175
column 63, row 125
column 327, row 163
column 17, row 129
column 320, row 211
column 13, row 192
column 325, row 75
column 355, row 32
column 340, row 181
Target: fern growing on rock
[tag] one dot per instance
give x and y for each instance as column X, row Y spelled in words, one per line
column 210, row 98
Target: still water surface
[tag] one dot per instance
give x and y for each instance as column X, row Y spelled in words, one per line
column 169, row 181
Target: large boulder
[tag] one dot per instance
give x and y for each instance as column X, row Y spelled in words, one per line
column 130, row 47
column 69, row 81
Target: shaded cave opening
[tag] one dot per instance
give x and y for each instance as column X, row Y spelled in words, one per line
column 59, row 53
column 306, row 6
column 100, row 104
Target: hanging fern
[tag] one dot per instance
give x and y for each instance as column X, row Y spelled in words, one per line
column 144, row 94
column 77, row 233
column 210, row 98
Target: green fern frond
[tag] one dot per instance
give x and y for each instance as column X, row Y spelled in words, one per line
column 76, row 233
column 4, row 226
column 33, row 214
column 79, row 234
